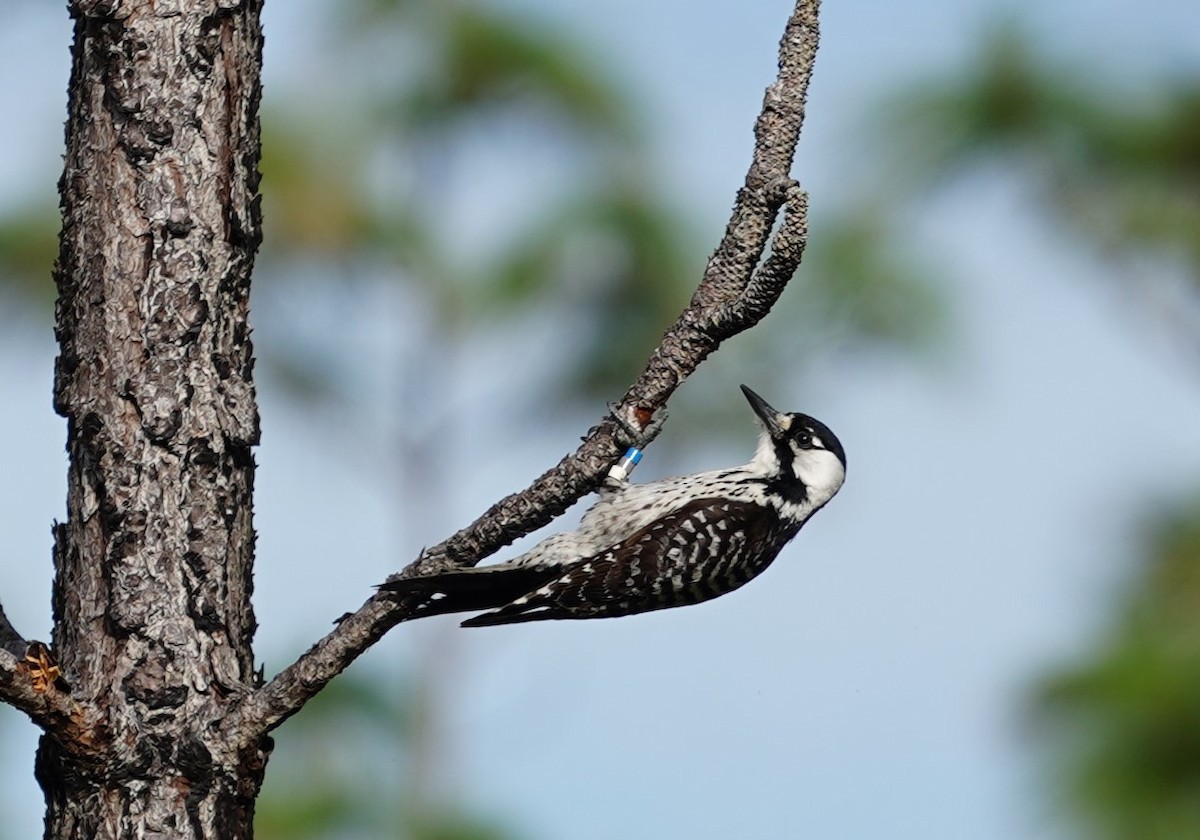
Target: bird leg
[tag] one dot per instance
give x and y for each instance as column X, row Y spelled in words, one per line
column 638, row 428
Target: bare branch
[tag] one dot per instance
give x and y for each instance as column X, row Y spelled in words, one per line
column 29, row 682
column 47, row 706
column 732, row 297
column 787, row 247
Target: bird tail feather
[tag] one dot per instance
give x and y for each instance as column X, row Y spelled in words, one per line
column 466, row 590
column 515, row 614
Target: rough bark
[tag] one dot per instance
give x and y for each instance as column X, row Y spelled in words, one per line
column 153, row 621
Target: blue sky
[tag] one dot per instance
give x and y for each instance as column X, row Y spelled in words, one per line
column 871, row 683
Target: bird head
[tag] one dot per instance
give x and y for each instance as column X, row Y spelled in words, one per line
column 798, row 451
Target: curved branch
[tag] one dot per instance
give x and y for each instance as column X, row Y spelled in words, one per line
column 734, row 295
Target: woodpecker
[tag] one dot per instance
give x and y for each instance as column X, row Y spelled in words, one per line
column 668, row 543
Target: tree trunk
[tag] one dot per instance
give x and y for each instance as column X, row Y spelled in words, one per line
column 153, row 620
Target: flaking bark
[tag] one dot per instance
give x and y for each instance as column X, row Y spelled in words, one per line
column 152, row 615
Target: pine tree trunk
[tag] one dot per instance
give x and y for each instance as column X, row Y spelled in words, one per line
column 153, row 620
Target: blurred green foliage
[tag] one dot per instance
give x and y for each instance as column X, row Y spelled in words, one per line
column 1119, row 167
column 363, row 181
column 28, row 243
column 1118, row 164
column 1125, row 724
column 476, row 57
column 342, row 770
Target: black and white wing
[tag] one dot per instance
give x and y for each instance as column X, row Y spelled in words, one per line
column 702, row 550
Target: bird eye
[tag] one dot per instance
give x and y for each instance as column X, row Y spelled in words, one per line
column 804, row 439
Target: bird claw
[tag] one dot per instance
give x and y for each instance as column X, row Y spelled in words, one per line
column 638, row 426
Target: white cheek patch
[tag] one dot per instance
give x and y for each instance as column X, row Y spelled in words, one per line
column 820, row 470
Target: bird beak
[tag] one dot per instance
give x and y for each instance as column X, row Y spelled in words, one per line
column 768, row 415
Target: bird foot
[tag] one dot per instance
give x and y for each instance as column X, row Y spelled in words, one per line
column 638, row 428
